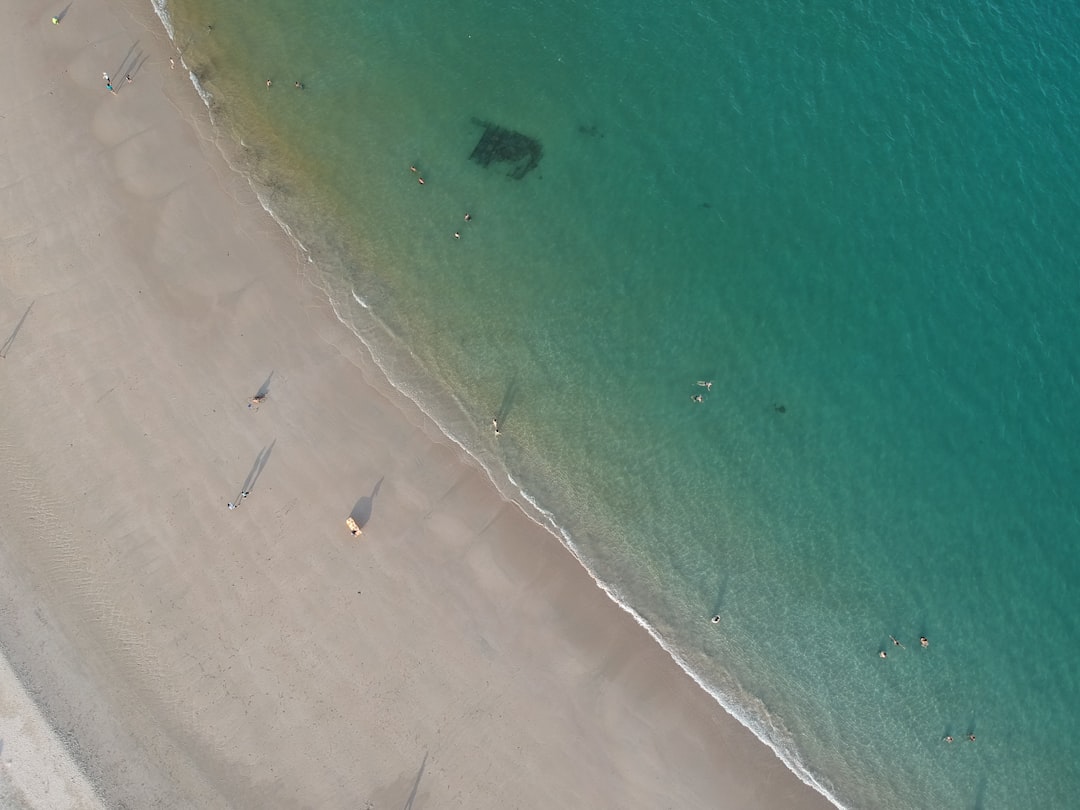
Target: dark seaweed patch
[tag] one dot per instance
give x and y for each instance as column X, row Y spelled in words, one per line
column 501, row 145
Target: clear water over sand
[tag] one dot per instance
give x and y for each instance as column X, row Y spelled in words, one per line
column 859, row 224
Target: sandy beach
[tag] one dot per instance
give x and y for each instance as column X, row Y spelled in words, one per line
column 190, row 655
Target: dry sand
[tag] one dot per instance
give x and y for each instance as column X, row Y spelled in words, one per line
column 192, row 656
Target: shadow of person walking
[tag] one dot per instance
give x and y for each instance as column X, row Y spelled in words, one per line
column 361, row 513
column 18, row 326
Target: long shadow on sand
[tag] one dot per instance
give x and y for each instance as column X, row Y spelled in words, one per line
column 416, row 785
column 361, row 513
column 258, row 467
column 18, row 326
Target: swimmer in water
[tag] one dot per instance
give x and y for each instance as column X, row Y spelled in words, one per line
column 706, row 384
column 882, row 654
column 923, row 641
column 897, row 643
column 715, row 620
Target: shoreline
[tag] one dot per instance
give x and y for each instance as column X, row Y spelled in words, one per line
column 262, row 656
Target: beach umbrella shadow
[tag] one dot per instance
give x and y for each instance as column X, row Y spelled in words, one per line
column 361, row 513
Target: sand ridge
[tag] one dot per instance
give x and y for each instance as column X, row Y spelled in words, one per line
column 454, row 656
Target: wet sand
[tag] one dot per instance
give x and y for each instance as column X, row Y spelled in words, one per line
column 186, row 654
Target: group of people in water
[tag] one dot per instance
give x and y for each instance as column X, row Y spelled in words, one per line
column 468, row 216
column 707, row 385
column 924, row 642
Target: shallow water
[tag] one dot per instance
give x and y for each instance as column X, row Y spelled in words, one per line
column 857, row 223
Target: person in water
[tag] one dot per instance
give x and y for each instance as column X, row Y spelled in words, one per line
column 923, row 641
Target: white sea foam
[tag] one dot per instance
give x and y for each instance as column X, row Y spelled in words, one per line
column 757, row 722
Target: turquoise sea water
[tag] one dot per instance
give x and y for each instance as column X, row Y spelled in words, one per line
column 859, row 221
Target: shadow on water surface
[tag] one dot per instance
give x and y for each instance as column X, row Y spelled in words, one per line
column 509, row 396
